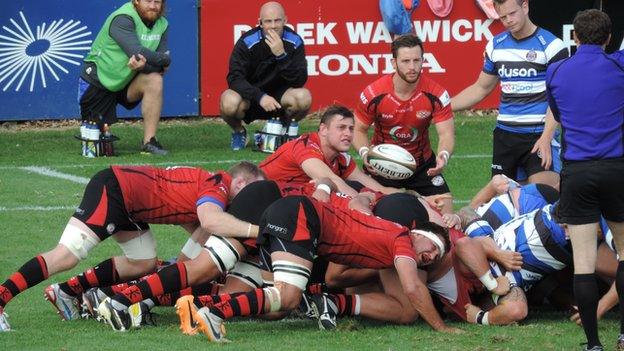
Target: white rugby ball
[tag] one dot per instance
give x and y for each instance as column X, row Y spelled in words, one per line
column 391, row 161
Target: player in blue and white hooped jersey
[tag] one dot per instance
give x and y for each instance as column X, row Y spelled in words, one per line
column 517, row 59
column 542, row 242
column 511, row 202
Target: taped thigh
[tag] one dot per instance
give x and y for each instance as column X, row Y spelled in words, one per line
column 291, row 273
column 143, row 247
column 248, row 272
column 77, row 241
column 222, row 252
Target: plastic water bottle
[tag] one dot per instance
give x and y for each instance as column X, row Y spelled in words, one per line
column 93, row 136
column 293, row 129
column 106, row 142
column 83, row 135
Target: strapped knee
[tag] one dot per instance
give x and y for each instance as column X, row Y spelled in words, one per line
column 222, row 253
column 274, row 297
column 291, row 273
column 191, row 249
column 77, row 241
column 143, row 247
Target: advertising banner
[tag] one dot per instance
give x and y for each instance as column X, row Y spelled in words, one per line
column 42, row 44
column 347, row 45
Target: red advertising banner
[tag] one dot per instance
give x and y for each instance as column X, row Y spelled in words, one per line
column 347, row 45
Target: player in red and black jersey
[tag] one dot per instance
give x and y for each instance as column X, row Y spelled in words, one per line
column 120, row 202
column 402, row 106
column 296, row 228
column 322, row 154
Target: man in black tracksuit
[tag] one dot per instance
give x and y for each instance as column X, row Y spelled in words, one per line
column 267, row 72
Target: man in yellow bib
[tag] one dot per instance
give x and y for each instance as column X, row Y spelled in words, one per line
column 125, row 66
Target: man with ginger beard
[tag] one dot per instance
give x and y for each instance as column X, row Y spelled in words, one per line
column 125, row 66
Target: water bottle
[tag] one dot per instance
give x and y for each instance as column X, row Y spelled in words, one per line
column 106, row 142
column 273, row 127
column 293, row 129
column 93, row 133
column 83, row 135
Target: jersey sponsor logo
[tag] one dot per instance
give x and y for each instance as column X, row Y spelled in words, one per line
column 445, row 99
column 422, row 114
column 437, row 180
column 516, row 88
column 277, row 229
column 150, row 37
column 531, row 55
column 403, row 134
column 516, row 72
column 363, row 99
column 386, row 116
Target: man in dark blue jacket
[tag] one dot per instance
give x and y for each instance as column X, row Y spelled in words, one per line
column 586, row 95
column 267, row 72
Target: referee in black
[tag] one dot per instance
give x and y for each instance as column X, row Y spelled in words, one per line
column 586, row 95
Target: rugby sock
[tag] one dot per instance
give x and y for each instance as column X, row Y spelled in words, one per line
column 619, row 285
column 30, row 274
column 168, row 279
column 586, row 294
column 211, row 300
column 346, row 305
column 104, row 274
column 246, row 304
column 169, row 299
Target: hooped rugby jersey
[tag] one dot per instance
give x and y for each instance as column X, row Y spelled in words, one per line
column 404, row 122
column 285, row 164
column 521, row 68
column 170, row 195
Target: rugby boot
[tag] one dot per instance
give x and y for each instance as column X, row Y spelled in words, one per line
column 66, row 305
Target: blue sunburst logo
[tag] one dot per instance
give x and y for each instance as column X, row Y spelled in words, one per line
column 27, row 57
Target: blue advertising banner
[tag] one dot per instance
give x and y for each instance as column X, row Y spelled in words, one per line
column 42, row 44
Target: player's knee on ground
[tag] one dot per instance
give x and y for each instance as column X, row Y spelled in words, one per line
column 408, row 316
column 78, row 241
column 222, row 252
column 229, row 103
column 515, row 304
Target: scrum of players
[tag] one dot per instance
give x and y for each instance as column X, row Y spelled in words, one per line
column 308, row 233
column 282, row 240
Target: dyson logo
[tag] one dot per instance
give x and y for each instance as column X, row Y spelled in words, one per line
column 516, row 72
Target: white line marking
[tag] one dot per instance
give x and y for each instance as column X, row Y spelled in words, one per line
column 51, row 173
column 209, row 162
column 36, row 208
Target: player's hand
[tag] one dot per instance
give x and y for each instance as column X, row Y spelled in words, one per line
column 320, row 195
column 452, row 220
column 542, row 148
column 471, row 313
column 269, row 104
column 440, row 164
column 576, row 317
column 137, row 62
column 503, row 286
column 275, row 43
column 510, row 260
column 503, row 184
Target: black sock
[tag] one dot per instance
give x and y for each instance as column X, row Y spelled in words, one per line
column 619, row 285
column 586, row 295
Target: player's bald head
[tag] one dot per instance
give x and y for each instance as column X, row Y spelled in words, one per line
column 272, row 8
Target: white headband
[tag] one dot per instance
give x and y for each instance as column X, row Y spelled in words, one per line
column 433, row 237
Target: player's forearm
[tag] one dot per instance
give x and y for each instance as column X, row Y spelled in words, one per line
column 360, row 139
column 422, row 302
column 550, row 126
column 468, row 98
column 224, row 224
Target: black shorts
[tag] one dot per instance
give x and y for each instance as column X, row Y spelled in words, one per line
column 401, row 208
column 250, row 203
column 96, row 102
column 513, row 150
column 419, row 181
column 590, row 189
column 102, row 208
column 284, row 228
column 256, row 111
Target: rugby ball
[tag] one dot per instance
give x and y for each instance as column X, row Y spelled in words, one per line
column 391, row 161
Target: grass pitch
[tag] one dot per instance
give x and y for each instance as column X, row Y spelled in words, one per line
column 34, row 209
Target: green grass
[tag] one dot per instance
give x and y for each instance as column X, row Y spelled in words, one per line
column 25, row 233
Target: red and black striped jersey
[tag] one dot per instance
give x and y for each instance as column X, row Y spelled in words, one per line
column 357, row 239
column 170, row 195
